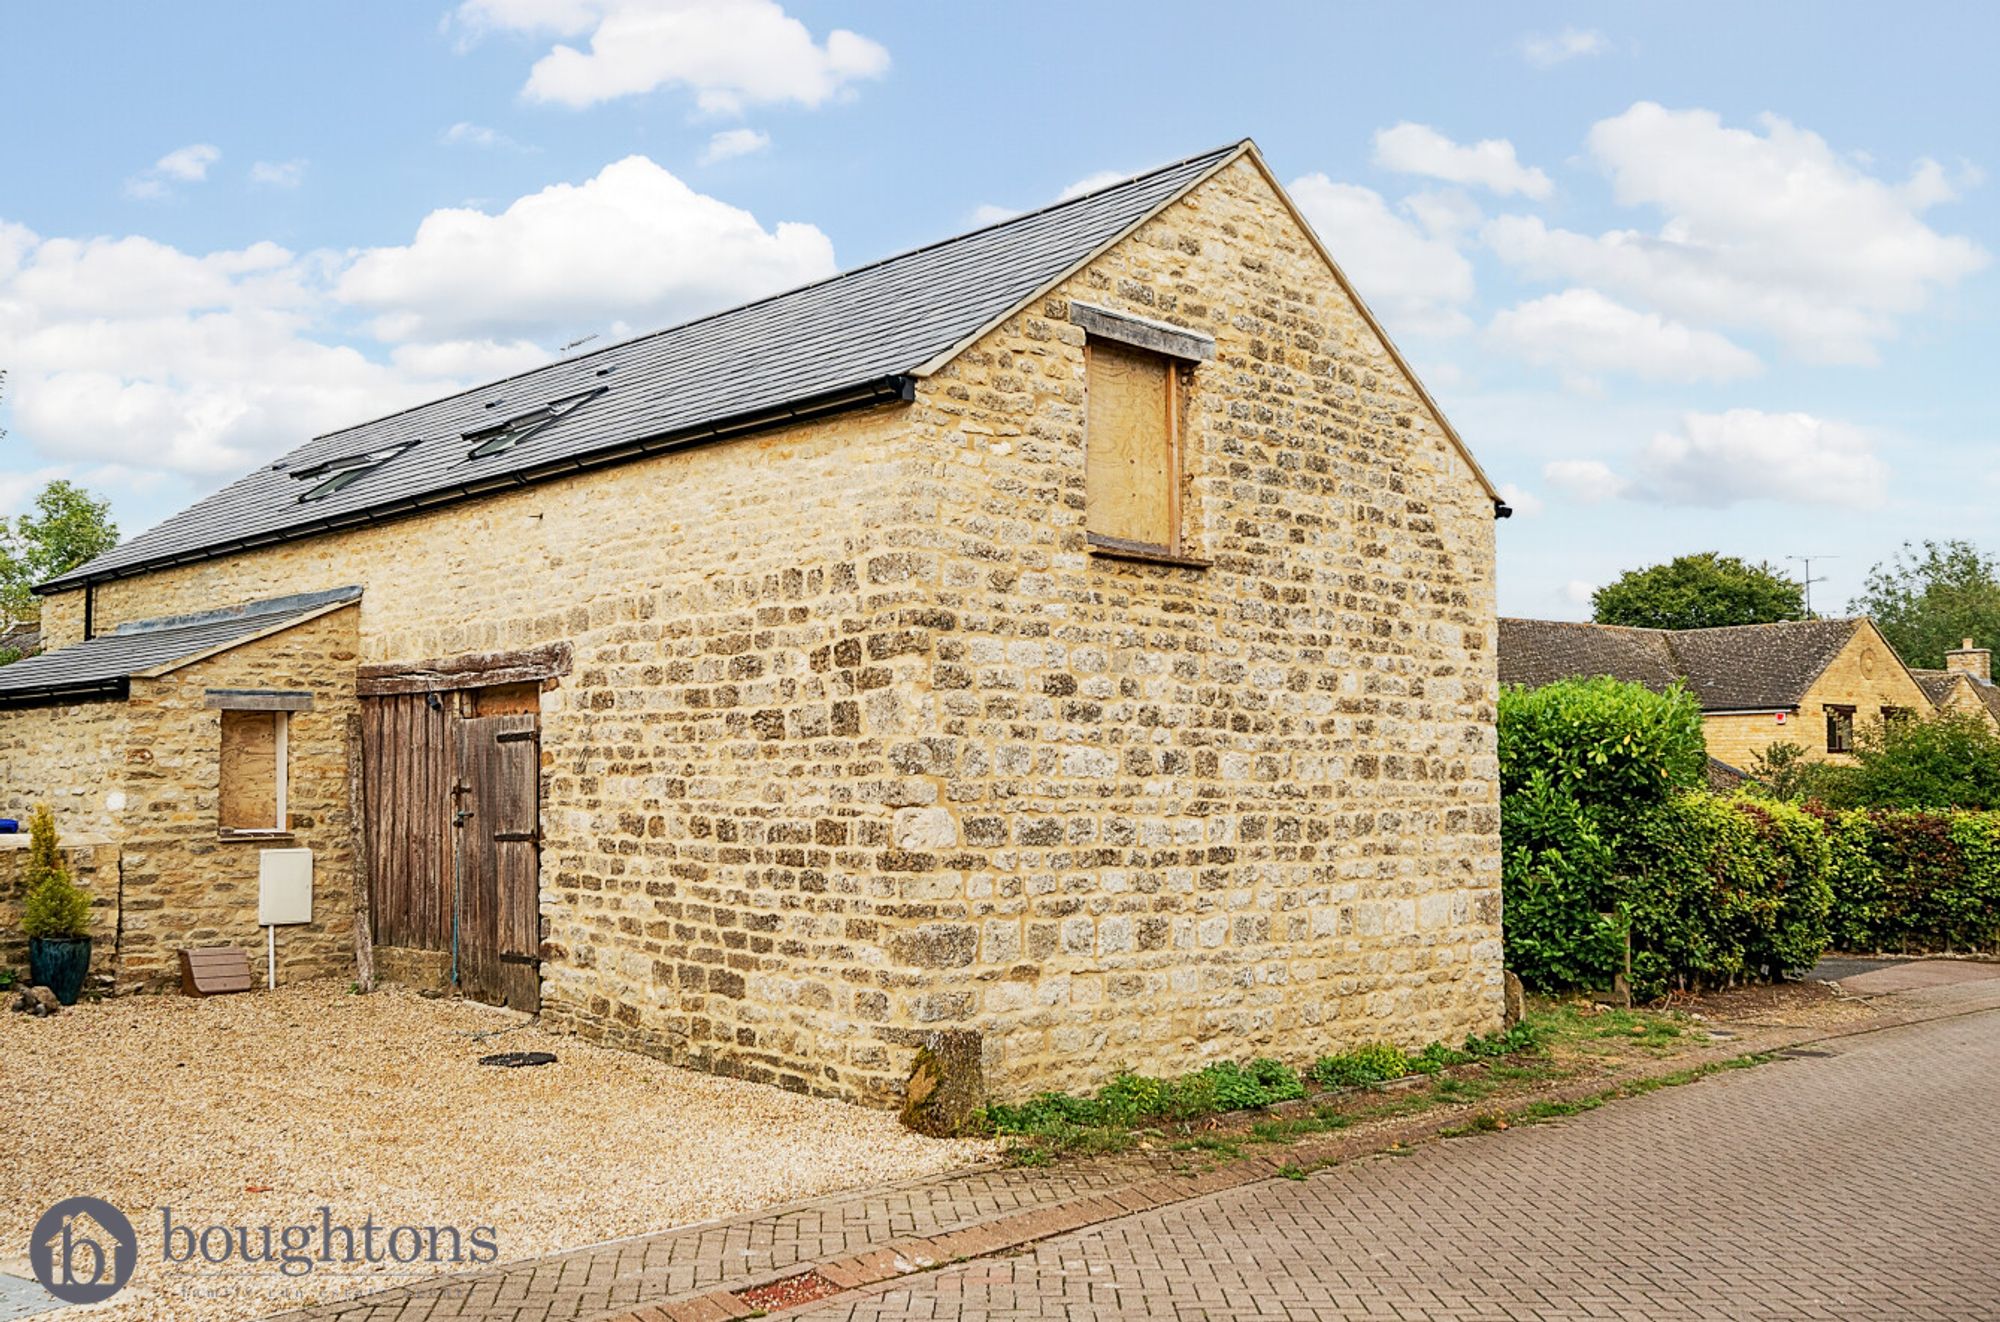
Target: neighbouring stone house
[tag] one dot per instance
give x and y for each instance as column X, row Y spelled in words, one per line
column 1079, row 632
column 1804, row 682
column 1965, row 685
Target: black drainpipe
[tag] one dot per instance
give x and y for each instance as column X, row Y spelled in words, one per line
column 89, row 611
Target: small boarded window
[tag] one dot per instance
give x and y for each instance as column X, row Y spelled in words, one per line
column 1840, row 729
column 1132, row 463
column 253, row 770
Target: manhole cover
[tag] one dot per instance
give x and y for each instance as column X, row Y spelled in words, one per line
column 514, row 1060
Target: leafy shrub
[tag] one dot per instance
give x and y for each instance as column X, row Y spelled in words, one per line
column 55, row 906
column 1718, row 890
column 1950, row 760
column 1435, row 1059
column 1914, row 880
column 1373, row 1063
column 1610, row 746
column 1523, row 1036
column 1131, row 1096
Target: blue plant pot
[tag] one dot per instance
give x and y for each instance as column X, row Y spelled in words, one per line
column 59, row 963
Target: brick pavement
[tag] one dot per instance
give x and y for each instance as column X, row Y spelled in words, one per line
column 607, row 1278
column 872, row 1235
column 1861, row 1183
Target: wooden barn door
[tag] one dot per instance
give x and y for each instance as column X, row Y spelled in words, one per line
column 499, row 847
column 407, row 764
column 451, row 789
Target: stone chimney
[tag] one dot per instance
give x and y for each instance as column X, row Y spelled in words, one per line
column 1969, row 660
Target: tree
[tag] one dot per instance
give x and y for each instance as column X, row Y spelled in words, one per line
column 66, row 527
column 1700, row 591
column 1927, row 599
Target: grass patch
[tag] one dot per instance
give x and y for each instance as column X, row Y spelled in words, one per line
column 1554, row 1041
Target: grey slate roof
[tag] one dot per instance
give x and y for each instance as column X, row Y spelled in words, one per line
column 1936, row 685
column 101, row 666
column 846, row 340
column 1748, row 667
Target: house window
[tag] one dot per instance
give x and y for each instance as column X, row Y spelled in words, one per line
column 1839, row 729
column 502, row 437
column 1896, row 715
column 336, row 475
column 1132, row 448
column 254, row 748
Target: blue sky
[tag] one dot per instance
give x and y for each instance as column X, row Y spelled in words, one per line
column 1685, row 276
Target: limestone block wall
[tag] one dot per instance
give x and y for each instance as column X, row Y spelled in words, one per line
column 93, row 861
column 69, row 757
column 1738, row 738
column 189, row 883
column 749, row 639
column 73, row 759
column 1192, row 813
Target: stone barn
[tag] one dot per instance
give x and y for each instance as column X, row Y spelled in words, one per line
column 1079, row 632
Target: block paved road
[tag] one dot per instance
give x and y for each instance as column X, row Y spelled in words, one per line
column 1859, row 1184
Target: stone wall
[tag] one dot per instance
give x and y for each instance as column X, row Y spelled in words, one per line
column 93, row 862
column 747, row 643
column 1190, row 813
column 71, row 758
column 187, row 882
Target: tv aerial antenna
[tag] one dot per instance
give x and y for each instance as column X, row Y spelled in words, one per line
column 1808, row 580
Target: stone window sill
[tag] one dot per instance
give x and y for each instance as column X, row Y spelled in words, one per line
column 232, row 836
column 1117, row 548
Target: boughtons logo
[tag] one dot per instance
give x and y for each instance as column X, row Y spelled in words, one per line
column 83, row 1250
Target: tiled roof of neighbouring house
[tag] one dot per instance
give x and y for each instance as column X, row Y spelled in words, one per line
column 846, row 341
column 1936, row 685
column 20, row 640
column 100, row 667
column 1748, row 667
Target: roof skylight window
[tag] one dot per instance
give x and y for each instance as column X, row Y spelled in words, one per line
column 336, row 475
column 499, row 439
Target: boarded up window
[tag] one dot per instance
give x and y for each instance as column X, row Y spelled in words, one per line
column 1131, row 473
column 253, row 770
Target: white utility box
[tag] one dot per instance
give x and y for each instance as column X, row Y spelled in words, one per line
column 284, row 887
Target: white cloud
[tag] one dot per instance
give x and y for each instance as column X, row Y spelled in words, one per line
column 183, row 165
column 278, row 174
column 1581, row 333
column 730, row 53
column 1090, row 183
column 734, row 142
column 1490, row 163
column 128, row 351
column 1588, row 481
column 1772, row 231
column 1578, row 592
column 632, row 246
column 1525, row 504
column 1545, row 50
column 989, row 213
column 1414, row 276
column 1721, row 459
column 465, row 134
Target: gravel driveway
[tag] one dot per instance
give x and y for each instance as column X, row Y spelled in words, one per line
column 263, row 1108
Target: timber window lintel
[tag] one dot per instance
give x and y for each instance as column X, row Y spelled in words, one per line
column 258, row 700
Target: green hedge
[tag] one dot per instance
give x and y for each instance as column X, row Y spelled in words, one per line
column 1604, row 835
column 1915, row 881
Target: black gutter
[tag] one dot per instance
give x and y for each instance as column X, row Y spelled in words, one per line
column 901, row 387
column 53, row 695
